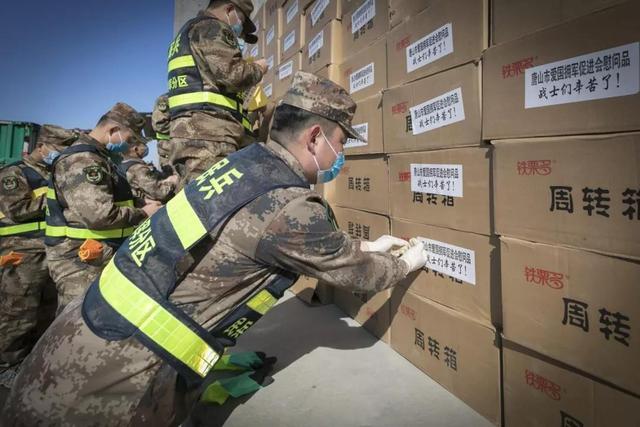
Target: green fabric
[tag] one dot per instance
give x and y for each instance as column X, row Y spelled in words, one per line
column 215, row 393
column 219, row 391
column 239, row 362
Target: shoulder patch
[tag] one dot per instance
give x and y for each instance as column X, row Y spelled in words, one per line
column 9, row 183
column 94, row 174
column 229, row 38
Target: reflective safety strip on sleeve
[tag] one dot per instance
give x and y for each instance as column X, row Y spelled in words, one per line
column 51, row 194
column 84, row 234
column 125, row 204
column 162, row 136
column 181, row 62
column 246, row 124
column 202, row 97
column 184, row 220
column 10, row 230
column 39, row 192
column 262, row 302
column 156, row 322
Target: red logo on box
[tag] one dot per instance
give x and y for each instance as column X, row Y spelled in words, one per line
column 400, row 108
column 408, row 312
column 404, row 176
column 542, row 277
column 403, row 43
column 516, row 68
column 542, row 384
column 534, row 167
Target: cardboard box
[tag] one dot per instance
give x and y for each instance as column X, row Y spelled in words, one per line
column 445, row 188
column 319, row 14
column 400, row 10
column 368, row 122
column 291, row 17
column 268, row 81
column 577, row 78
column 290, row 43
column 259, row 18
column 284, row 74
column 577, row 191
column 462, row 272
column 362, row 225
column 272, row 24
column 362, row 184
column 578, row 307
column 271, row 50
column 324, row 47
column 363, row 25
column 512, row 19
column 312, row 291
column 303, row 3
column 542, row 392
column 436, row 112
column 460, row 354
column 331, row 72
column 445, row 35
column 365, row 73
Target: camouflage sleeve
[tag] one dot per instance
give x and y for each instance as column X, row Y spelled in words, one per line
column 217, row 46
column 83, row 182
column 16, row 200
column 148, row 180
column 302, row 239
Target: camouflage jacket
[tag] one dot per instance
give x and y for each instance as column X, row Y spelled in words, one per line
column 147, row 182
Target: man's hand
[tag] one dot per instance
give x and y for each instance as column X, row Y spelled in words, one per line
column 151, row 207
column 263, row 64
column 416, row 256
column 383, row 244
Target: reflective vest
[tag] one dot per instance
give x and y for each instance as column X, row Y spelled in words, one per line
column 57, row 227
column 186, row 87
column 38, row 186
column 130, row 298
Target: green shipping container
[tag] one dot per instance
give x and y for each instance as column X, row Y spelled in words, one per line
column 16, row 140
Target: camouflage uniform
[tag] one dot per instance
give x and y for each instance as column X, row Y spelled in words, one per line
column 147, row 182
column 22, row 285
column 201, row 138
column 120, row 381
column 161, row 122
column 90, row 204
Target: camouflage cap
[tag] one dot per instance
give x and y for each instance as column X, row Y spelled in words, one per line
column 128, row 117
column 56, row 135
column 160, row 117
column 246, row 6
column 323, row 97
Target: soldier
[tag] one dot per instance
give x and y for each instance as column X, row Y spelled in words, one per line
column 208, row 79
column 201, row 271
column 90, row 204
column 23, row 266
column 161, row 123
column 145, row 180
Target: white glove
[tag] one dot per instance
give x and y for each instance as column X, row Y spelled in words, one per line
column 383, row 244
column 415, row 257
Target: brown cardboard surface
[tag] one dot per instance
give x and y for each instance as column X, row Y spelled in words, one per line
column 368, row 121
column 365, row 73
column 259, row 19
column 362, row 184
column 554, row 190
column 283, row 77
column 509, row 71
column 291, row 17
column 312, row 291
column 541, row 392
column 331, row 72
column 369, row 32
column 272, row 51
column 319, row 14
column 268, row 81
column 289, row 48
column 462, row 124
column 513, row 19
column 575, row 306
column 362, row 225
column 324, row 47
column 447, row 34
column 272, row 19
column 399, row 10
column 418, row 324
column 480, row 301
column 471, row 212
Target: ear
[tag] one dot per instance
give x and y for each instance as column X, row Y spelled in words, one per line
column 312, row 135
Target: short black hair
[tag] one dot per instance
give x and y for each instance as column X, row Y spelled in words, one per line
column 289, row 121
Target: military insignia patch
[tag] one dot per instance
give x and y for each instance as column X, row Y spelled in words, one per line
column 229, row 38
column 9, row 183
column 93, row 174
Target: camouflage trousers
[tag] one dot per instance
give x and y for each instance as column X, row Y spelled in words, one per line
column 190, row 158
column 27, row 306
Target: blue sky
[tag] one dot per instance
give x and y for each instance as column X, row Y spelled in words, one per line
column 67, row 62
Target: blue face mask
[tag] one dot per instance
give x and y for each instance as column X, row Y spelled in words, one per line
column 236, row 28
column 119, row 147
column 326, row 175
column 145, row 153
column 51, row 157
column 241, row 44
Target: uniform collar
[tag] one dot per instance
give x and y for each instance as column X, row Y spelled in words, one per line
column 87, row 139
column 287, row 157
column 39, row 167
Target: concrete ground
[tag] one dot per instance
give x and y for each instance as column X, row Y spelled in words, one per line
column 331, row 372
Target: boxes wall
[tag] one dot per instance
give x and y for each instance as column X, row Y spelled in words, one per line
column 272, row 25
column 577, row 191
column 446, row 188
column 539, row 392
column 362, row 184
column 319, row 14
column 364, row 74
column 331, row 72
column 291, row 17
column 368, row 122
column 445, row 35
column 399, row 10
column 324, row 47
column 364, row 24
column 575, row 306
column 436, row 112
column 577, row 78
column 462, row 270
column 284, row 74
column 460, row 354
column 291, row 43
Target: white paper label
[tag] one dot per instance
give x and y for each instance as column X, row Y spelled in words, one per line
column 437, row 112
column 317, row 9
column 362, row 78
column 292, row 11
column 254, row 51
column 454, row 261
column 289, row 40
column 270, row 34
column 316, row 43
column 268, row 90
column 430, row 48
column 605, row 74
column 362, row 15
column 363, row 131
column 285, row 70
column 446, row 180
column 270, row 62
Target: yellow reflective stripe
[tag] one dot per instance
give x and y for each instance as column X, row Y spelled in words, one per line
column 184, row 220
column 125, row 203
column 39, row 192
column 202, row 97
column 156, row 322
column 162, row 136
column 246, row 124
column 181, row 62
column 262, row 302
column 51, row 194
column 10, row 230
column 83, row 233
